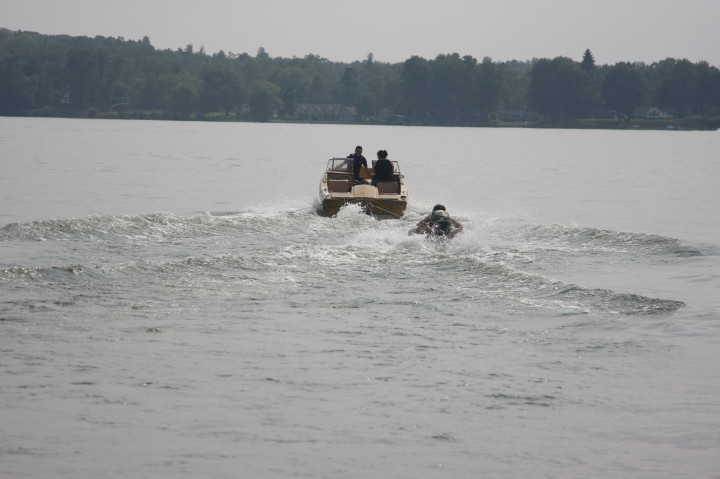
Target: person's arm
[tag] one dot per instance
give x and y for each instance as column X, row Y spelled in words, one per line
column 458, row 227
column 357, row 172
column 423, row 226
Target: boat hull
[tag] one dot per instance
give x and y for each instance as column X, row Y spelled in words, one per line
column 375, row 207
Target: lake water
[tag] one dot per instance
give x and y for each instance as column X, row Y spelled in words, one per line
column 172, row 305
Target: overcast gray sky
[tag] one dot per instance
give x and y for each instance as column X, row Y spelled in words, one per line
column 394, row 30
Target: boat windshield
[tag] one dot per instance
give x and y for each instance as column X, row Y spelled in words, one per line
column 340, row 164
column 346, row 165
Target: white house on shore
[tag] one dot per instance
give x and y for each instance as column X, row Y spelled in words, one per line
column 653, row 113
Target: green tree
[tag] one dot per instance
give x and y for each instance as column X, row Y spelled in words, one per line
column 17, row 90
column 369, row 101
column 515, row 84
column 679, row 87
column 560, row 88
column 320, row 88
column 102, row 74
column 221, row 88
column 391, row 94
column 153, row 92
column 588, row 61
column 184, row 98
column 294, row 84
column 264, row 100
column 625, row 88
column 83, row 75
column 451, row 92
column 707, row 92
column 349, row 87
column 490, row 87
column 415, row 87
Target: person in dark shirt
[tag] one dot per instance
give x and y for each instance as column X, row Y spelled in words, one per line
column 384, row 169
column 358, row 162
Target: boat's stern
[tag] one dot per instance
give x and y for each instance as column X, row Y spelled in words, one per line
column 338, row 188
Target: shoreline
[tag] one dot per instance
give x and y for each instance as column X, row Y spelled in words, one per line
column 677, row 124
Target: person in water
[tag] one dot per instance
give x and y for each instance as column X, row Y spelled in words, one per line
column 358, row 162
column 440, row 223
column 383, row 169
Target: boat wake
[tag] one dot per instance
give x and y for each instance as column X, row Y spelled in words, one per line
column 289, row 252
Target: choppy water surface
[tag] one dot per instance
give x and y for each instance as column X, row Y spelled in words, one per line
column 184, row 321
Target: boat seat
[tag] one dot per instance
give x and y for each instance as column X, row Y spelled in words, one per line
column 388, row 187
column 339, row 186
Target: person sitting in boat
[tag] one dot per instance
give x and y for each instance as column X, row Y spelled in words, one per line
column 383, row 169
column 358, row 162
column 439, row 223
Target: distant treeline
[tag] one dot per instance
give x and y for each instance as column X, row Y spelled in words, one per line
column 59, row 75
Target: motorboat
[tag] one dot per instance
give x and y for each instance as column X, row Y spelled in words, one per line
column 338, row 188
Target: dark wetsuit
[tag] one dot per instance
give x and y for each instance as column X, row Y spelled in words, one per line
column 358, row 162
column 427, row 224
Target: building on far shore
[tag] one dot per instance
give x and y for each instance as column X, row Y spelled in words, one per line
column 324, row 112
column 517, row 115
column 654, row 113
